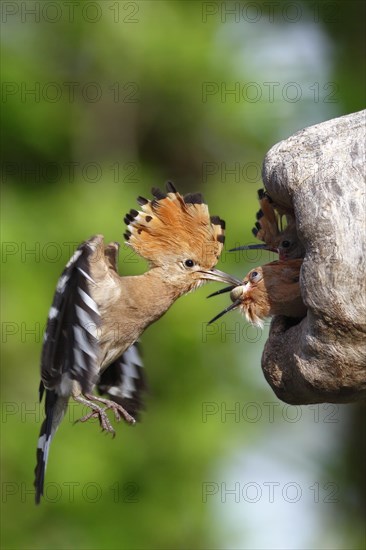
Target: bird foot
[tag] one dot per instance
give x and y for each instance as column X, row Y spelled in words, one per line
column 100, row 412
column 102, row 417
column 118, row 410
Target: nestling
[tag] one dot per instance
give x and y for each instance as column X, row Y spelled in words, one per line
column 268, row 229
column 97, row 316
column 272, row 289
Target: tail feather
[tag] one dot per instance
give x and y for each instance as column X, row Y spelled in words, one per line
column 55, row 407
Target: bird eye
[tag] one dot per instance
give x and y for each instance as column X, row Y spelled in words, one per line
column 285, row 244
column 189, row 263
column 255, row 276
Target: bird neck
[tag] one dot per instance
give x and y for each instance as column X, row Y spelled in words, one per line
column 140, row 301
column 149, row 295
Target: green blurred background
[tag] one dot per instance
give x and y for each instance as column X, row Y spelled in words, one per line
column 101, row 101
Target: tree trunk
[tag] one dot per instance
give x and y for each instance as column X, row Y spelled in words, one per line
column 319, row 174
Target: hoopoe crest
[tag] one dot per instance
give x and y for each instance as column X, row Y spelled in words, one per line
column 268, row 229
column 176, row 233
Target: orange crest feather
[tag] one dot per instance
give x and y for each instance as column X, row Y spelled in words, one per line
column 172, row 225
column 267, row 229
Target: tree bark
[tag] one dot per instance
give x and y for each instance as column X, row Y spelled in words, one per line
column 319, row 175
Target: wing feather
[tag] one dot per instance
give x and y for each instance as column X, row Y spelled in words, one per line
column 124, row 381
column 70, row 344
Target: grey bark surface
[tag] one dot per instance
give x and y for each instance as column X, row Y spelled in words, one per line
column 319, row 175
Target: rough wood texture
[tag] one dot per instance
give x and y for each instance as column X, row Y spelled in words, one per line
column 319, row 173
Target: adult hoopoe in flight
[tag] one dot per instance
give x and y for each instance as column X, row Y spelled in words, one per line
column 97, row 316
column 268, row 229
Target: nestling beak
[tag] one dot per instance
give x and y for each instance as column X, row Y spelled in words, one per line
column 234, row 305
column 220, row 276
column 236, row 295
column 222, row 291
column 254, row 247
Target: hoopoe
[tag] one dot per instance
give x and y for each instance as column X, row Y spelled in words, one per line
column 272, row 289
column 268, row 229
column 97, row 316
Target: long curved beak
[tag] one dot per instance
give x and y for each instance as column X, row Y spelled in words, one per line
column 254, row 247
column 220, row 276
column 232, row 306
column 222, row 291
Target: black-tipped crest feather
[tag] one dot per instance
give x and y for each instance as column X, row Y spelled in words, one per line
column 170, row 187
column 194, row 198
column 158, row 194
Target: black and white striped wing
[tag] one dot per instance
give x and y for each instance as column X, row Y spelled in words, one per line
column 70, row 349
column 124, row 381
